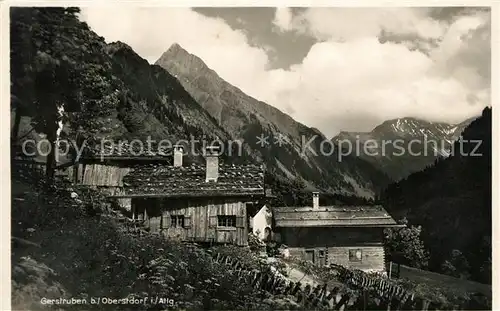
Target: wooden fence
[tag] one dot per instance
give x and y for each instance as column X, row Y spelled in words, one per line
column 308, row 296
column 393, row 270
column 362, row 291
column 30, row 165
column 369, row 293
column 434, row 279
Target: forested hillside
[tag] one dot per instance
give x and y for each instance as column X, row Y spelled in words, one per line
column 106, row 91
column 452, row 202
column 287, row 152
column 422, row 143
column 64, row 72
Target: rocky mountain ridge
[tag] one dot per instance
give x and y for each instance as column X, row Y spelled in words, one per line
column 286, row 150
column 420, row 144
column 451, row 200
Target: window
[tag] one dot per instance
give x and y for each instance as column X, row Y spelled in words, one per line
column 355, row 255
column 310, row 255
column 321, row 253
column 226, row 221
column 177, row 221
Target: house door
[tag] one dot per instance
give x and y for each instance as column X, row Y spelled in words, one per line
column 310, row 255
column 321, row 257
column 267, row 234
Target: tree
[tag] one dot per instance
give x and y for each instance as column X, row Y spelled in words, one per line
column 456, row 265
column 404, row 245
column 57, row 64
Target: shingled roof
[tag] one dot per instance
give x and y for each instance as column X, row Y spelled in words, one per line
column 123, row 150
column 333, row 216
column 189, row 181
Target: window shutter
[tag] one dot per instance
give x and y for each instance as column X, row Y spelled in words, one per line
column 212, row 221
column 187, row 222
column 166, row 221
column 240, row 222
column 154, row 224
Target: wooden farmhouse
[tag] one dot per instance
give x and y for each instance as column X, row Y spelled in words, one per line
column 201, row 203
column 351, row 236
column 104, row 169
column 261, row 220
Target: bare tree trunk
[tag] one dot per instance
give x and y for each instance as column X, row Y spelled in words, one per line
column 17, row 123
column 50, row 163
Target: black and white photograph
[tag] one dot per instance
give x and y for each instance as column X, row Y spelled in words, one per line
column 250, row 158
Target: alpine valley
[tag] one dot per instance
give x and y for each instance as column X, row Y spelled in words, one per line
column 246, row 118
column 421, row 142
column 425, row 212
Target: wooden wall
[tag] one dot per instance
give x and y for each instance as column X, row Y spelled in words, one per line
column 106, row 178
column 125, row 203
column 332, row 245
column 330, row 236
column 98, row 174
column 200, row 219
column 373, row 257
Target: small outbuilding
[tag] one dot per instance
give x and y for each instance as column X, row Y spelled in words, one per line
column 351, row 236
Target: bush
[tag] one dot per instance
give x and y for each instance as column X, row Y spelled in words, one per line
column 108, row 260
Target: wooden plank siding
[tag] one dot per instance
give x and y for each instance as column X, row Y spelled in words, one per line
column 331, row 245
column 200, row 218
column 98, row 174
column 104, row 177
column 330, row 236
column 373, row 257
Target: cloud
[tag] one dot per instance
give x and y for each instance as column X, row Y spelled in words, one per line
column 340, row 80
column 151, row 31
column 283, row 19
column 351, row 79
column 465, row 51
column 349, row 23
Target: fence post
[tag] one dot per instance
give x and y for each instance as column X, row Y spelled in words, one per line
column 365, row 299
column 390, row 269
column 343, row 301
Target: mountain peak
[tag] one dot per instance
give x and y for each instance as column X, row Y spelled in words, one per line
column 243, row 116
column 174, row 53
column 178, row 61
column 119, row 45
column 175, row 48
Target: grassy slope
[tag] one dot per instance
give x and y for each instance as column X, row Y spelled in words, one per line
column 437, row 280
column 96, row 256
column 83, row 256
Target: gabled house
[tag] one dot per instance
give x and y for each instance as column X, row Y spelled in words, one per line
column 195, row 203
column 104, row 169
column 351, row 236
column 261, row 220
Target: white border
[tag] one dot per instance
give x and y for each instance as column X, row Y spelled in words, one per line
column 5, row 286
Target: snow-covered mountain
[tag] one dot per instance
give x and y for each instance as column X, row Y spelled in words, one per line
column 402, row 146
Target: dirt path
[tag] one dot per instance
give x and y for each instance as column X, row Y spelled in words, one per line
column 295, row 274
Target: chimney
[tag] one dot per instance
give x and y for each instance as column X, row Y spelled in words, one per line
column 178, row 151
column 315, row 200
column 212, row 168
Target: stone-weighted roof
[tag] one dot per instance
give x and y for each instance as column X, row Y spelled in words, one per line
column 332, row 216
column 189, row 181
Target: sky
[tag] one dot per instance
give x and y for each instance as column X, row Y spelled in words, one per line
column 335, row 69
